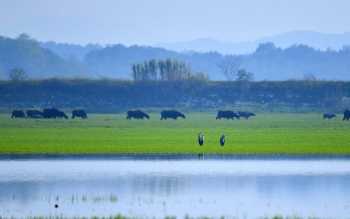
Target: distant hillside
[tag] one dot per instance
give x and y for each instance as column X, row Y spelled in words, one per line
column 317, row 40
column 116, row 61
column 208, row 45
column 268, row 62
column 322, row 41
column 70, row 51
column 38, row 62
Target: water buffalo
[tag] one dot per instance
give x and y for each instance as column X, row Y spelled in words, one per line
column 329, row 116
column 136, row 114
column 227, row 115
column 245, row 115
column 79, row 113
column 17, row 114
column 35, row 114
column 53, row 113
column 171, row 114
column 346, row 115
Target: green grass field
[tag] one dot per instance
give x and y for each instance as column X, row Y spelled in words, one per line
column 265, row 134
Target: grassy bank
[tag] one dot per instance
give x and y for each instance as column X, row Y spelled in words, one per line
column 266, row 134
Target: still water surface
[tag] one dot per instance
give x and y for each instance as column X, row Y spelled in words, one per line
column 158, row 188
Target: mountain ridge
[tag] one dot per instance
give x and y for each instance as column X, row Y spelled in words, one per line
column 314, row 39
column 267, row 62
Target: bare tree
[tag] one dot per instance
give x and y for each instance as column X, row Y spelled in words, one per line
column 243, row 75
column 230, row 66
column 164, row 70
column 309, row 77
column 153, row 69
column 24, row 36
column 17, row 74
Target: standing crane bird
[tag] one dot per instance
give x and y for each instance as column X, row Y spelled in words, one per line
column 200, row 139
column 222, row 140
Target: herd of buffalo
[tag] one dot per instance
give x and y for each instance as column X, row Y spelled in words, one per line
column 53, row 113
column 333, row 115
column 173, row 114
column 50, row 113
column 165, row 114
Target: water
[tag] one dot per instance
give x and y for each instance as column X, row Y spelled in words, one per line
column 158, row 188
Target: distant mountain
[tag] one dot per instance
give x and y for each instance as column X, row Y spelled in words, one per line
column 69, row 51
column 115, row 61
column 313, row 39
column 316, row 40
column 267, row 62
column 210, row 45
column 37, row 62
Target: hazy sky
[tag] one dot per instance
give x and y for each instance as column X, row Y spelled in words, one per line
column 154, row 21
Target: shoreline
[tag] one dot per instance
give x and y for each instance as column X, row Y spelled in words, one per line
column 165, row 156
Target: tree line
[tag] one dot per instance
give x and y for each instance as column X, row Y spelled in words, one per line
column 111, row 96
column 165, row 70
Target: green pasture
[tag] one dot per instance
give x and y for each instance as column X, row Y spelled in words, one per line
column 273, row 133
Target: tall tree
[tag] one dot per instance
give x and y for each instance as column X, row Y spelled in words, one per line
column 164, row 70
column 17, row 74
column 153, row 69
column 243, row 75
column 229, row 67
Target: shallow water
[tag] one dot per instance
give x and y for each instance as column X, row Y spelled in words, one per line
column 158, row 188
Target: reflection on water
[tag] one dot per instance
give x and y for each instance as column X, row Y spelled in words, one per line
column 234, row 188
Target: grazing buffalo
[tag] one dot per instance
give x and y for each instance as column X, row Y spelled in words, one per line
column 329, row 116
column 35, row 114
column 346, row 115
column 53, row 113
column 17, row 114
column 245, row 115
column 227, row 115
column 79, row 113
column 136, row 114
column 171, row 114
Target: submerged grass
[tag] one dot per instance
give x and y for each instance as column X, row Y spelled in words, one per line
column 274, row 133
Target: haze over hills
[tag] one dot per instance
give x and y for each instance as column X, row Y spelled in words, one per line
column 267, row 62
column 70, row 51
column 313, row 39
column 27, row 54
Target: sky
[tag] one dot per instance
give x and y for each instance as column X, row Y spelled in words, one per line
column 149, row 22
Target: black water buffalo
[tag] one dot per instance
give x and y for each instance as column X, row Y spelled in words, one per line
column 79, row 113
column 329, row 116
column 136, row 114
column 17, row 114
column 227, row 114
column 171, row 114
column 245, row 115
column 35, row 114
column 53, row 113
column 346, row 115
